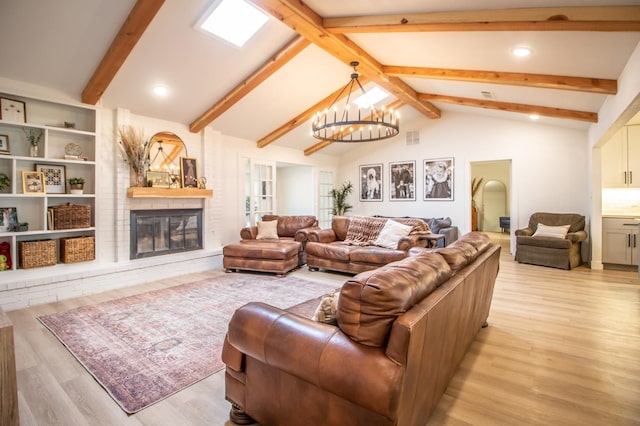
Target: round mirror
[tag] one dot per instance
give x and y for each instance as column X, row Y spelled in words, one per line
column 165, row 152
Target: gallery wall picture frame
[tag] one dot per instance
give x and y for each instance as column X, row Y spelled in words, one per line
column 54, row 177
column 402, row 181
column 13, row 110
column 189, row 172
column 4, row 144
column 371, row 182
column 33, row 182
column 159, row 179
column 438, row 179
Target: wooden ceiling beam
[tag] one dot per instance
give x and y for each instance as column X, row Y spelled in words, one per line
column 305, row 116
column 582, row 18
column 308, row 24
column 131, row 31
column 544, row 81
column 590, row 117
column 273, row 64
column 324, row 143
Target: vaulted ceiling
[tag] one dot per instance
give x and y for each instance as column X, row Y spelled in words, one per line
column 433, row 57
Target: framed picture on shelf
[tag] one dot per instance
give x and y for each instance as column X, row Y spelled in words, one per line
column 33, row 182
column 12, row 110
column 54, row 178
column 371, row 182
column 402, row 178
column 158, row 179
column 4, row 144
column 189, row 172
column 8, row 218
column 438, row 179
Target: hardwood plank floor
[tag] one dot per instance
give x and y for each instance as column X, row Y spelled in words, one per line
column 562, row 348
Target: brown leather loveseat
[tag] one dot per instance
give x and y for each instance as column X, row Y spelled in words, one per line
column 402, row 330
column 350, row 244
column 279, row 250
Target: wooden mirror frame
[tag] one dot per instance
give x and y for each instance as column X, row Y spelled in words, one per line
column 173, row 148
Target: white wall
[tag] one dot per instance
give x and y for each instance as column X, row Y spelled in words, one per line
column 296, row 190
column 550, row 166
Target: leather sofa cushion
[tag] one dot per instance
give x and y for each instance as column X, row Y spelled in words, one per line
column 371, row 301
column 479, row 240
column 340, row 225
column 334, row 251
column 288, row 225
column 375, row 255
column 458, row 255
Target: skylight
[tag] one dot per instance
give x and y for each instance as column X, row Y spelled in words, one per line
column 235, row 21
column 371, row 97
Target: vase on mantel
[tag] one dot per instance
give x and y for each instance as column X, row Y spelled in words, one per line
column 33, row 150
column 137, row 177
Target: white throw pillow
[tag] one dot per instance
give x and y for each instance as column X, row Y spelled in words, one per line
column 267, row 230
column 391, row 234
column 552, row 231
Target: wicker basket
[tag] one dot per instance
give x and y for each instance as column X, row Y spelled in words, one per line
column 77, row 249
column 34, row 254
column 69, row 216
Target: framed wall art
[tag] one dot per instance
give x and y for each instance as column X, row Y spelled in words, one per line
column 54, row 177
column 189, row 172
column 402, row 181
column 4, row 144
column 438, row 179
column 371, row 182
column 12, row 110
column 33, row 182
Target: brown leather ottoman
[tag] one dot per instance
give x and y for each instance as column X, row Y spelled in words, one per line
column 274, row 256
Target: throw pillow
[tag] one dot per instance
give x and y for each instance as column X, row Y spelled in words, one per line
column 391, row 234
column 267, row 230
column 326, row 310
column 551, row 231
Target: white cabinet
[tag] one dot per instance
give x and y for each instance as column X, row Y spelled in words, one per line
column 67, row 145
column 620, row 241
column 621, row 159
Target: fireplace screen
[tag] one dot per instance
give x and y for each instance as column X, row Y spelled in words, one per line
column 160, row 232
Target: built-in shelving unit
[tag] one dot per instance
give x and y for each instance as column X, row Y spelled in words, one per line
column 68, row 143
column 151, row 192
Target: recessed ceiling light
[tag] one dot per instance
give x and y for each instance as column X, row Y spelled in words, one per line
column 235, row 21
column 160, row 90
column 534, row 117
column 521, row 52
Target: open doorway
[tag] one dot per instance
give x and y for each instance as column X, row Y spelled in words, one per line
column 492, row 201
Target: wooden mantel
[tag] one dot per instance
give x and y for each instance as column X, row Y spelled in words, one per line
column 150, row 192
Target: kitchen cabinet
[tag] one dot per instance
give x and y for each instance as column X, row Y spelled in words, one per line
column 620, row 241
column 621, row 159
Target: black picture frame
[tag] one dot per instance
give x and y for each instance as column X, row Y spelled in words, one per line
column 371, row 182
column 402, row 181
column 438, row 179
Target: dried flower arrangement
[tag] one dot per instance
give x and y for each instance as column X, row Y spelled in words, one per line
column 135, row 147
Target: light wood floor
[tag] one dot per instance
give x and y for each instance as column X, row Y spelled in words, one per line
column 562, row 348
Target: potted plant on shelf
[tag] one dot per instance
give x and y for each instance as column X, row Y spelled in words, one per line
column 76, row 185
column 5, row 181
column 33, row 136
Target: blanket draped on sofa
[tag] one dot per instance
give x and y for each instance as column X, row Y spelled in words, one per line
column 363, row 230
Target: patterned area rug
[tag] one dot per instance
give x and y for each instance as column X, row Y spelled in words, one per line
column 146, row 347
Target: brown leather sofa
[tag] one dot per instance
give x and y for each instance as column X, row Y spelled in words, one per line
column 330, row 249
column 563, row 252
column 276, row 255
column 402, row 331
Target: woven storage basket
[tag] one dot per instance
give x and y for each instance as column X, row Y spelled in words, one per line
column 77, row 249
column 34, row 254
column 70, row 216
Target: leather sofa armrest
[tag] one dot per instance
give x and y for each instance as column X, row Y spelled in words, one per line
column 405, row 243
column 318, row 353
column 524, row 232
column 322, row 236
column 577, row 236
column 302, row 235
column 249, row 233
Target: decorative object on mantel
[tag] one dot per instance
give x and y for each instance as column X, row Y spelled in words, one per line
column 33, row 136
column 134, row 148
column 166, row 148
column 76, row 185
column 202, row 183
column 339, row 127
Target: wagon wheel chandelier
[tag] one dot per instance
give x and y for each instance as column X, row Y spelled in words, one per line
column 338, row 124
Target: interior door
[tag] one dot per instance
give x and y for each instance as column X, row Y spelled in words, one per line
column 259, row 189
